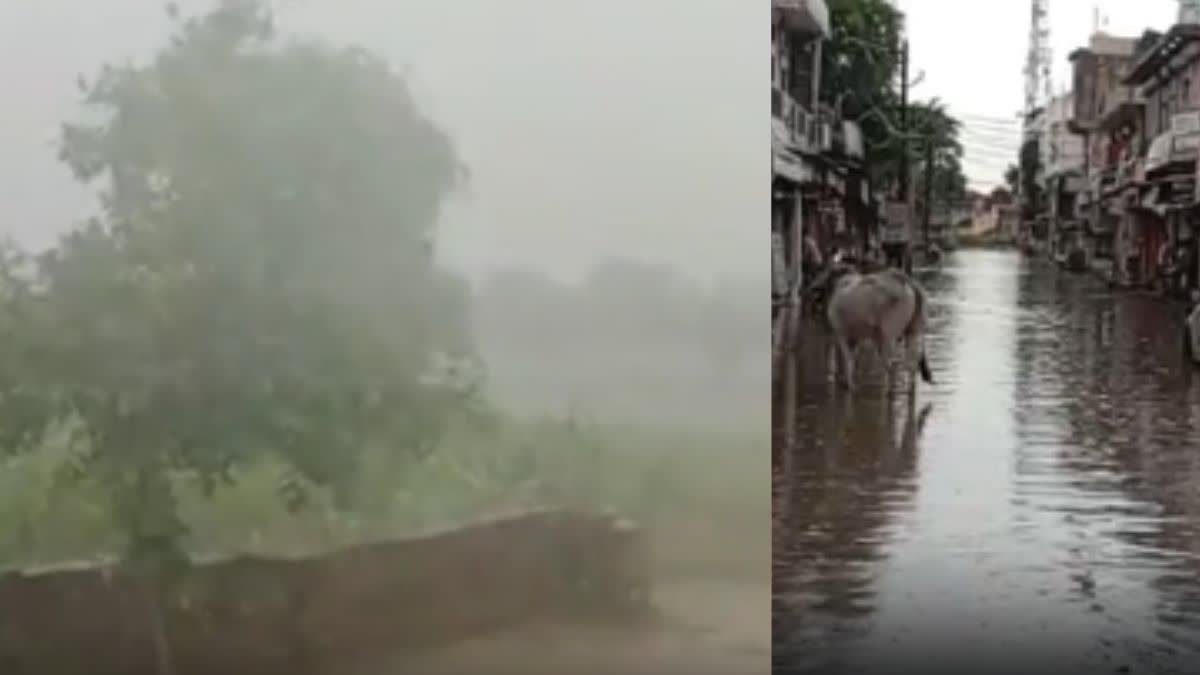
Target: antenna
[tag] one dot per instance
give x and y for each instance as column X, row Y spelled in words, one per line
column 1038, row 59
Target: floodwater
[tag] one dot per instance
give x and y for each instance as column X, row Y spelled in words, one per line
column 1036, row 510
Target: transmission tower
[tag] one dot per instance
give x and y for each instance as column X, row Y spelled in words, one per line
column 1037, row 61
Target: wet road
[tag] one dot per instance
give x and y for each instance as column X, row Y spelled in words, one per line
column 1038, row 510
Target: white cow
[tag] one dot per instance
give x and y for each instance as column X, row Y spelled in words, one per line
column 881, row 308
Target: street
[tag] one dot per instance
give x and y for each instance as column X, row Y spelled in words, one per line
column 1035, row 510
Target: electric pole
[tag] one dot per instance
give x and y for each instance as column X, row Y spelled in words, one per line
column 904, row 192
column 928, row 190
column 904, row 122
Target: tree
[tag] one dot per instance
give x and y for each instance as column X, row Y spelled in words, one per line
column 1012, row 178
column 256, row 284
column 936, row 126
column 1029, row 190
column 861, row 60
column 859, row 70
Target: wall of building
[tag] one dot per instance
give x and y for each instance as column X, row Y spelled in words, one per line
column 793, row 63
column 1062, row 150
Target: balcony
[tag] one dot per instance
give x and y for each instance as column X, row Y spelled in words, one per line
column 804, row 17
column 801, row 130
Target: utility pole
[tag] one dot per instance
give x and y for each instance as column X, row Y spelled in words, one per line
column 904, row 121
column 928, row 190
column 904, row 192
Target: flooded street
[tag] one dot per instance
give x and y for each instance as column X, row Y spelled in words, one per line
column 1037, row 510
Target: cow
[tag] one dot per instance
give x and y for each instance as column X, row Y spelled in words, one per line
column 881, row 308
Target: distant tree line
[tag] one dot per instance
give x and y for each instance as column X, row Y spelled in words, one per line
column 621, row 305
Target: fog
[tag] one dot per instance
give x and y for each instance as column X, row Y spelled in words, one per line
column 602, row 263
column 591, row 130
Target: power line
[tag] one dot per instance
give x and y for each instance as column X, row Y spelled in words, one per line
column 985, row 139
column 984, row 131
column 985, row 152
column 991, row 131
column 988, row 119
column 983, row 120
column 990, row 126
column 986, row 164
column 989, row 148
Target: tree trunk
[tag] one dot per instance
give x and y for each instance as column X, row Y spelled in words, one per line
column 163, row 657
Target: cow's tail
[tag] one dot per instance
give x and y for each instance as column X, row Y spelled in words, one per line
column 916, row 330
column 923, row 365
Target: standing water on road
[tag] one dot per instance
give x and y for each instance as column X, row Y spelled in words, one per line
column 1038, row 509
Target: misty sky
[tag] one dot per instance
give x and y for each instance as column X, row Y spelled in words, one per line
column 628, row 127
column 625, row 127
column 973, row 54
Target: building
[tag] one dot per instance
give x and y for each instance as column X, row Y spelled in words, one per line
column 819, row 185
column 1061, row 177
column 1102, row 104
column 1162, row 76
column 798, row 136
column 991, row 217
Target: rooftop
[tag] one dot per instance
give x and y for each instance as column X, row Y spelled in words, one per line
column 1166, row 48
column 1103, row 44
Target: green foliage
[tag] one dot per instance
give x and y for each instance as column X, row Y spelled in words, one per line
column 861, row 61
column 861, row 66
column 257, row 283
column 940, row 130
column 665, row 478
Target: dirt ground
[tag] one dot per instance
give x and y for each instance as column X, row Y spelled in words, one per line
column 705, row 626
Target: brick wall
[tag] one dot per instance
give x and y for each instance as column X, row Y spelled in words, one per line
column 253, row 615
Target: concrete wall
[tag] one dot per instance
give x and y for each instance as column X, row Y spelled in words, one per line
column 251, row 615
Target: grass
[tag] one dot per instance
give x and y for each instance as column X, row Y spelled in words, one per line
column 702, row 494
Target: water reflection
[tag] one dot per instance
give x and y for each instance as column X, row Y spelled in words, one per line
column 1039, row 507
column 835, row 511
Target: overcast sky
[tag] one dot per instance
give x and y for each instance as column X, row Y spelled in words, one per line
column 973, row 53
column 622, row 127
column 627, row 127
